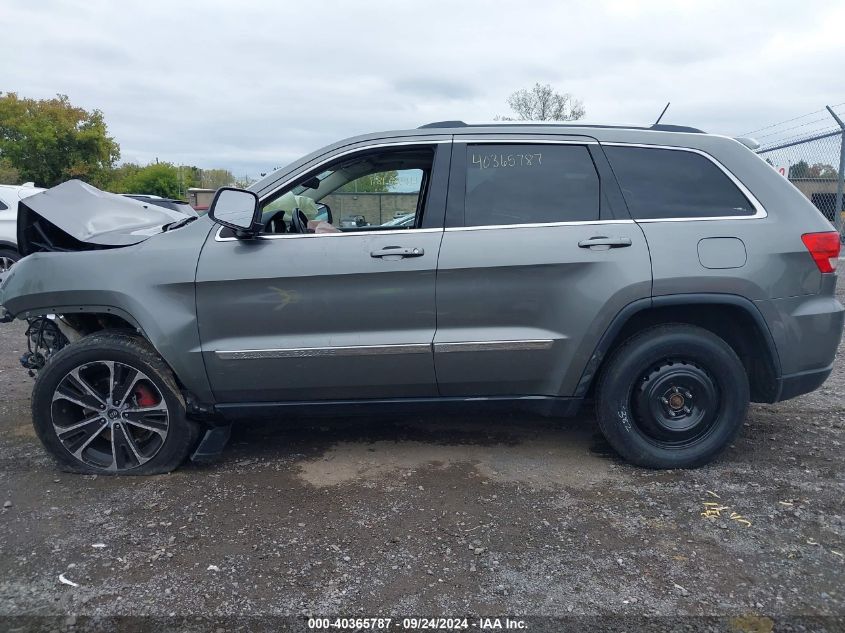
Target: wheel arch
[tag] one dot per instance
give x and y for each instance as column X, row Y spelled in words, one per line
column 726, row 315
column 88, row 319
column 92, row 318
column 9, row 245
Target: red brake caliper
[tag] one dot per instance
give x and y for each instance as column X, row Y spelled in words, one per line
column 144, row 396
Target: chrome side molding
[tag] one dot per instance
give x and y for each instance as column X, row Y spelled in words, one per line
column 379, row 350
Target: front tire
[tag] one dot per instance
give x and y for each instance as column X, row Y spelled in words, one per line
column 672, row 396
column 108, row 404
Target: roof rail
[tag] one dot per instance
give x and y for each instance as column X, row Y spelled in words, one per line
column 443, row 124
column 663, row 127
column 658, row 127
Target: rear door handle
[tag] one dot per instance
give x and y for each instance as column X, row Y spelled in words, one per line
column 608, row 242
column 398, row 251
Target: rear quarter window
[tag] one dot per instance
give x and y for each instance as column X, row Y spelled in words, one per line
column 530, row 184
column 666, row 183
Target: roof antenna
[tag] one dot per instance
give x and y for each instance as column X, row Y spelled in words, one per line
column 662, row 113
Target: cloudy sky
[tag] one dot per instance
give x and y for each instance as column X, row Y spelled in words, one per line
column 250, row 85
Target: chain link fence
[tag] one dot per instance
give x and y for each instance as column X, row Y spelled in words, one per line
column 808, row 150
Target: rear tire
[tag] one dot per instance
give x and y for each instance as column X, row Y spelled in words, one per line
column 672, row 396
column 108, row 404
column 8, row 257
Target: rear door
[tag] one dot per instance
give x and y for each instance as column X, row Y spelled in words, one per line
column 538, row 256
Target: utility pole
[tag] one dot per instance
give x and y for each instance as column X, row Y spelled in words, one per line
column 837, row 208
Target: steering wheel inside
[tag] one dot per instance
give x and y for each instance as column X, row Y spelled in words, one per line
column 276, row 223
column 299, row 221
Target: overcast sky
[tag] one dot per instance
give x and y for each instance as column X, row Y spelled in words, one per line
column 250, row 85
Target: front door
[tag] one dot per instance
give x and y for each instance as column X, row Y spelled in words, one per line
column 538, row 256
column 330, row 310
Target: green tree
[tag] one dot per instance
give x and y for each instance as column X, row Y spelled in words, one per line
column 244, row 181
column 158, row 179
column 8, row 174
column 799, row 170
column 802, row 169
column 543, row 103
column 215, row 178
column 49, row 141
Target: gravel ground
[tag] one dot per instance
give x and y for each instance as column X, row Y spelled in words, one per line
column 431, row 517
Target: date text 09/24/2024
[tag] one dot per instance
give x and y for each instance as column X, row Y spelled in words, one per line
column 416, row 624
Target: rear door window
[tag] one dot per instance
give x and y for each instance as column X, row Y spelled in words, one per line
column 666, row 183
column 530, row 184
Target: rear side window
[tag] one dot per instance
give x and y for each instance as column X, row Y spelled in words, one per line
column 528, row 184
column 3, row 206
column 665, row 183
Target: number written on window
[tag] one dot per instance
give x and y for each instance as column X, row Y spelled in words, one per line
column 530, row 184
column 496, row 161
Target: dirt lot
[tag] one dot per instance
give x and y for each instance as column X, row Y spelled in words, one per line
column 431, row 517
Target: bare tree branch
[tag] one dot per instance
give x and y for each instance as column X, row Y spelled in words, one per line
column 542, row 103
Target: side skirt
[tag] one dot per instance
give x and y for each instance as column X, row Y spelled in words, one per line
column 539, row 405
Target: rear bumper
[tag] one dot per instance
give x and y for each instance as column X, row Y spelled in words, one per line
column 806, row 330
column 803, row 382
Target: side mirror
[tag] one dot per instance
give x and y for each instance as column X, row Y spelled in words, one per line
column 236, row 209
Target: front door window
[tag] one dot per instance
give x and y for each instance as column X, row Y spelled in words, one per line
column 373, row 191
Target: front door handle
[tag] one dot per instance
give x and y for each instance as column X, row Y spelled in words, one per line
column 606, row 242
column 398, row 252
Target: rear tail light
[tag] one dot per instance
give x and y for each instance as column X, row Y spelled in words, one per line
column 824, row 249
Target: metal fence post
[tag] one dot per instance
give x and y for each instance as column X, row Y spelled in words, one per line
column 837, row 209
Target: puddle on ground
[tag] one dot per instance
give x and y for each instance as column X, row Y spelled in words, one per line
column 544, row 458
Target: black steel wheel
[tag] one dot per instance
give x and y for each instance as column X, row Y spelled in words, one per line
column 676, row 403
column 672, row 396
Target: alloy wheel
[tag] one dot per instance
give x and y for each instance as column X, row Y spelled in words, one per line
column 6, row 263
column 110, row 415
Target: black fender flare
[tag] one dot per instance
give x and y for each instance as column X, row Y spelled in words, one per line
column 10, row 245
column 593, row 365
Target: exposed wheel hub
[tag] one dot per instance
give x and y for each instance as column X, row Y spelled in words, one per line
column 675, row 402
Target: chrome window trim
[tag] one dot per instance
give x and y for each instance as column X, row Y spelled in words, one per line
column 525, row 141
column 759, row 209
column 331, row 158
column 289, row 236
column 487, row 227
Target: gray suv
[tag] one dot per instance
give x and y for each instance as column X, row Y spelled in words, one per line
column 668, row 275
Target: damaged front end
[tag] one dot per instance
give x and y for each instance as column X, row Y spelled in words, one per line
column 74, row 216
column 44, row 337
column 70, row 217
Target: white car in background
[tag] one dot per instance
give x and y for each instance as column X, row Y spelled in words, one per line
column 9, row 197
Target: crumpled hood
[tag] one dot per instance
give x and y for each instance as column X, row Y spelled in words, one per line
column 86, row 215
